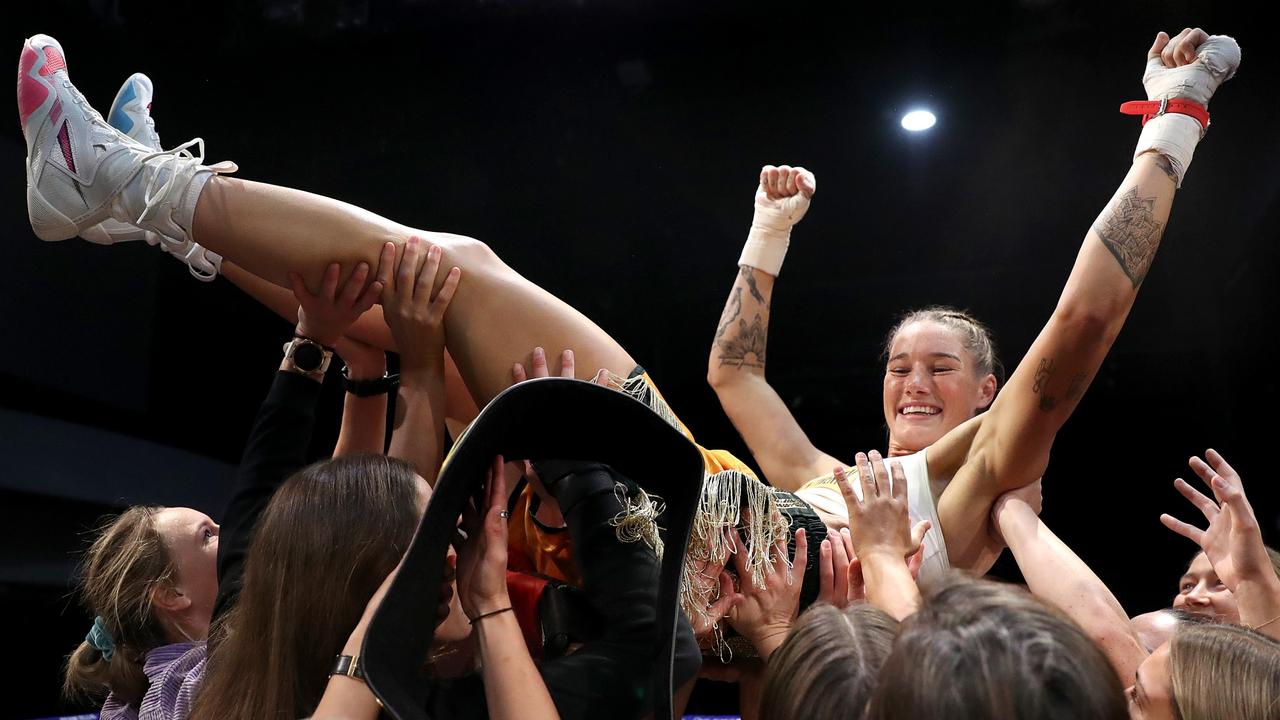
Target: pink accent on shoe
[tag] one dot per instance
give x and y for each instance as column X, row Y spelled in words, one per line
column 53, row 61
column 31, row 92
column 64, row 141
column 55, row 112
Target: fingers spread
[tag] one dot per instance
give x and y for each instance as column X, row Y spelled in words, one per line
column 866, row 477
column 386, row 264
column 1197, row 498
column 300, row 291
column 1190, row 532
column 918, row 532
column 899, row 482
column 802, row 553
column 329, row 284
column 354, row 286
column 447, row 290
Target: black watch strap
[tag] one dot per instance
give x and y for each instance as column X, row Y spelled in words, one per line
column 369, row 388
column 348, row 665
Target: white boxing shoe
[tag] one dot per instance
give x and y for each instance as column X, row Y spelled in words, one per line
column 81, row 171
column 130, row 113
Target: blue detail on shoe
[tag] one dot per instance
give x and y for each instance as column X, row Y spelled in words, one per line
column 119, row 119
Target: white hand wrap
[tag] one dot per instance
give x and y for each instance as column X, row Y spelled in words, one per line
column 770, row 233
column 1175, row 135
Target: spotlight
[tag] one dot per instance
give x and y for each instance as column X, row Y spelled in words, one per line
column 918, row 120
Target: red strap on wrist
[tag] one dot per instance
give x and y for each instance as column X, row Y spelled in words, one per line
column 1155, row 108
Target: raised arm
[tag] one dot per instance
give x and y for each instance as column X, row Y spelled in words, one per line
column 1011, row 449
column 277, row 445
column 512, row 686
column 1232, row 542
column 735, row 368
column 363, row 418
column 1058, row 576
column 364, row 410
column 416, row 320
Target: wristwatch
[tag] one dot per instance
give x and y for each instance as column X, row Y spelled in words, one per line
column 306, row 356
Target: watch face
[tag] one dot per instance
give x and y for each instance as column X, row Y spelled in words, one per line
column 307, row 357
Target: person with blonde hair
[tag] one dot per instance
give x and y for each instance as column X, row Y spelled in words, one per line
column 1169, row 680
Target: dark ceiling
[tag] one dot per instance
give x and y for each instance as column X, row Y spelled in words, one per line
column 608, row 151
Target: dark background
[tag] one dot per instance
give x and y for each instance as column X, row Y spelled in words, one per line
column 608, row 151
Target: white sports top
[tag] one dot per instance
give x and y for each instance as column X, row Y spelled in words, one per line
column 824, row 495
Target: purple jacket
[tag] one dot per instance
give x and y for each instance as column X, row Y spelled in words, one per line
column 175, row 672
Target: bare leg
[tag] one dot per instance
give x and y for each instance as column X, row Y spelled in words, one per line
column 459, row 407
column 495, row 319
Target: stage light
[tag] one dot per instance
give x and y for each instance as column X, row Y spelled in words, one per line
column 918, row 120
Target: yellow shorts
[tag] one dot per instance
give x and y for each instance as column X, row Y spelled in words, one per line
column 547, row 551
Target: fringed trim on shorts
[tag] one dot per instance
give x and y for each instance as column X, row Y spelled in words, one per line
column 639, row 387
column 731, row 501
column 638, row 519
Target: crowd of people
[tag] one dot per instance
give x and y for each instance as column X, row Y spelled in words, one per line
column 824, row 588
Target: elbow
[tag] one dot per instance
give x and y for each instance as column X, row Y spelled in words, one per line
column 1097, row 325
column 718, row 377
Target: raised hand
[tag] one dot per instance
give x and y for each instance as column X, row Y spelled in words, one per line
column 839, row 576
column 765, row 613
column 326, row 315
column 785, row 191
column 713, row 575
column 1232, row 542
column 482, row 554
column 881, row 534
column 415, row 317
column 1190, row 65
column 879, row 521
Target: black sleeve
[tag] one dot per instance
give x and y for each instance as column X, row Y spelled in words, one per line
column 276, row 449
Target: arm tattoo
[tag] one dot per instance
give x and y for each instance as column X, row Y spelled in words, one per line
column 732, row 310
column 750, row 277
column 747, row 340
column 1044, row 373
column 1129, row 230
column 1076, row 389
column 1163, row 163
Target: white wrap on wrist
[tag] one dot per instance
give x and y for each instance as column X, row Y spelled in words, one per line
column 1174, row 136
column 770, row 233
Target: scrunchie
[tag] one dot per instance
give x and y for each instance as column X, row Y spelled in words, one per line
column 100, row 639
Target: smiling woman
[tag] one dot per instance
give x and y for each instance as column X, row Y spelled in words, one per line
column 941, row 369
column 1201, row 591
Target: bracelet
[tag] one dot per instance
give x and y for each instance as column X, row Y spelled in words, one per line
column 348, row 666
column 369, row 388
column 478, row 618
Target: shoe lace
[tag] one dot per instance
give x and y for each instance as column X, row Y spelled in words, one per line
column 152, row 135
column 81, row 101
column 175, row 159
